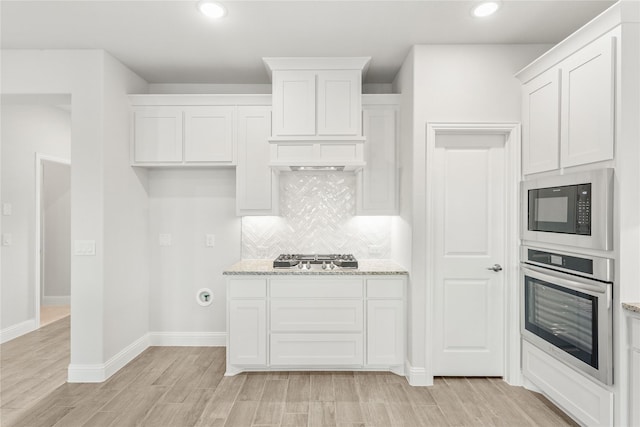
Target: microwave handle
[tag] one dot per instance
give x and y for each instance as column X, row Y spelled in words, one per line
column 543, row 274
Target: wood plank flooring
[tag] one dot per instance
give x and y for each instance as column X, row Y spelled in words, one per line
column 186, row 386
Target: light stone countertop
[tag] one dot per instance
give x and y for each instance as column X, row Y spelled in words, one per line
column 631, row 306
column 365, row 267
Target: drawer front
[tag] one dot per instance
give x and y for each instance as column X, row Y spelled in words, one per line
column 385, row 288
column 316, row 349
column 321, row 288
column 316, row 315
column 247, row 288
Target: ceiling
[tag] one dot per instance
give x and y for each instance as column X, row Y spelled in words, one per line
column 167, row 41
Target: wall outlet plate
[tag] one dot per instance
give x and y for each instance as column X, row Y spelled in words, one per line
column 204, row 297
column 7, row 239
column 164, row 239
column 84, row 248
column 7, row 209
column 209, row 240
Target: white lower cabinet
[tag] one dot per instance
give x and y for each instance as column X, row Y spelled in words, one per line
column 337, row 322
column 316, row 350
column 585, row 401
column 247, row 332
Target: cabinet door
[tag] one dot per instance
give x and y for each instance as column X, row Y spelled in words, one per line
column 377, row 181
column 385, row 332
column 588, row 104
column 256, row 182
column 247, row 332
column 294, row 103
column 339, row 102
column 157, row 135
column 541, row 123
column 208, row 134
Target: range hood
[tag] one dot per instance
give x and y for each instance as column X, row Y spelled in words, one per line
column 317, row 113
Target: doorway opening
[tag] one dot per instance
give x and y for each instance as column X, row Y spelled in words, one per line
column 53, row 239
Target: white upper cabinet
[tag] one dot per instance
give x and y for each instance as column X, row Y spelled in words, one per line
column 378, row 179
column 316, row 99
column 568, row 109
column 294, row 92
column 339, row 102
column 588, row 104
column 208, row 134
column 256, row 182
column 157, row 135
column 541, row 123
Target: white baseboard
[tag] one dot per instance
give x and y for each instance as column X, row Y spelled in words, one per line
column 417, row 376
column 56, row 300
column 7, row 334
column 188, row 339
column 100, row 372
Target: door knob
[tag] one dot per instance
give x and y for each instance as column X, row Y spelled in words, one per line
column 496, row 268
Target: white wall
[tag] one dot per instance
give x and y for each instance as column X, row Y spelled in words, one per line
column 92, row 79
column 126, row 217
column 56, row 233
column 26, row 129
column 450, row 83
column 188, row 204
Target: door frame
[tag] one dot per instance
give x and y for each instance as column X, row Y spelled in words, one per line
column 39, row 159
column 511, row 131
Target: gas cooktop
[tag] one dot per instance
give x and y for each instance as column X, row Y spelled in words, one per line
column 329, row 261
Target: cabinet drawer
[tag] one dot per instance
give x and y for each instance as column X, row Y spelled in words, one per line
column 385, row 288
column 321, row 288
column 316, row 349
column 247, row 288
column 316, row 315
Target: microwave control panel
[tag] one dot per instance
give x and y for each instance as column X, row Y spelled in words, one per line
column 583, row 211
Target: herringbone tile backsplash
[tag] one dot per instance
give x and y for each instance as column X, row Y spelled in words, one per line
column 317, row 216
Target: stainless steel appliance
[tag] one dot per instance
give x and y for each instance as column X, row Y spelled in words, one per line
column 566, row 308
column 326, row 262
column 573, row 209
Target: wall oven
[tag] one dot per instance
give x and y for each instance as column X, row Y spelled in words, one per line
column 566, row 308
column 572, row 210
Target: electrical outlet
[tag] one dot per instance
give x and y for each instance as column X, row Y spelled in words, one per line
column 375, row 250
column 84, row 248
column 7, row 239
column 7, row 209
column 164, row 239
column 210, row 240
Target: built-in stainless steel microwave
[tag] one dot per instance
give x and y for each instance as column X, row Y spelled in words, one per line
column 573, row 210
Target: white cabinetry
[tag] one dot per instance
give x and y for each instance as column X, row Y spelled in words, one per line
column 315, row 322
column 316, row 103
column 208, row 134
column 568, row 110
column 317, row 112
column 378, row 180
column 157, row 135
column 588, row 104
column 541, row 123
column 196, row 135
column 385, row 322
column 247, row 322
column 256, row 182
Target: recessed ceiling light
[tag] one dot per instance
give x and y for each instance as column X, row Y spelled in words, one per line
column 211, row 9
column 485, row 9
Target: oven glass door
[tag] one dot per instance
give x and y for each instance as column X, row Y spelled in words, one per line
column 555, row 210
column 564, row 317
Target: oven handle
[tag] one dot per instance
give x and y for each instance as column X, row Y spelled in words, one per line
column 559, row 278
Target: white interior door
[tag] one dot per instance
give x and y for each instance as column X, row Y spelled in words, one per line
column 469, row 239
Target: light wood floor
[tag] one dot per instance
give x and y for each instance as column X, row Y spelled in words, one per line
column 51, row 313
column 185, row 386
